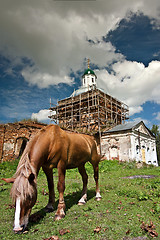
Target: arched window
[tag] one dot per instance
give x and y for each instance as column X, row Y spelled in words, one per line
column 20, row 145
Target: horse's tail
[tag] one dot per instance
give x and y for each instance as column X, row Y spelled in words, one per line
column 8, row 180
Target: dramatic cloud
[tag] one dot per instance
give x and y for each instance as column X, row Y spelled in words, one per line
column 41, row 115
column 146, row 122
column 53, row 34
column 132, row 83
column 48, row 40
column 134, row 109
column 43, row 80
column 158, row 116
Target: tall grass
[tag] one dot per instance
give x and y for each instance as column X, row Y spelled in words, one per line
column 125, row 204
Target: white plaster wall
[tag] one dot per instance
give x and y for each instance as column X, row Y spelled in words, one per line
column 116, row 147
column 147, row 151
column 153, row 154
column 105, row 147
column 124, row 147
column 148, row 145
column 132, row 155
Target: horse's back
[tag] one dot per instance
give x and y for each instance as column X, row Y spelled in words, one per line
column 82, row 148
column 54, row 144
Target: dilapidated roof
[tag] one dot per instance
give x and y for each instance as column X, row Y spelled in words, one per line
column 128, row 126
column 123, row 127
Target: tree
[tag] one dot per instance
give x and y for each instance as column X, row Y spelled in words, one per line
column 155, row 130
column 156, row 133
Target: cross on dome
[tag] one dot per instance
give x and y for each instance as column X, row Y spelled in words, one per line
column 88, row 62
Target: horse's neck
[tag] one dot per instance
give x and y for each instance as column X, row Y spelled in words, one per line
column 25, row 165
column 29, row 160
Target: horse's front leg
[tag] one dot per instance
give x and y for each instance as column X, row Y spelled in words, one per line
column 51, row 202
column 61, row 187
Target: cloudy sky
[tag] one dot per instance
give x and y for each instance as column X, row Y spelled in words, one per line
column 44, row 46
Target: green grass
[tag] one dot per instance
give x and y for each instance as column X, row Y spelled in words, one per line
column 125, row 204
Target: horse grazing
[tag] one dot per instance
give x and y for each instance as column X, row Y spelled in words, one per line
column 51, row 148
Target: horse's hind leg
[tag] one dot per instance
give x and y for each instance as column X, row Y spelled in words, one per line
column 84, row 175
column 61, row 187
column 49, row 175
column 96, row 177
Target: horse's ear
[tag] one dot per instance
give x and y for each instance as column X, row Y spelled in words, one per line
column 9, row 180
column 31, row 177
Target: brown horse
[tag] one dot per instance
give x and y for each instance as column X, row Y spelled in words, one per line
column 51, row 148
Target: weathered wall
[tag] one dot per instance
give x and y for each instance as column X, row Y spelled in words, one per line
column 144, row 149
column 116, row 147
column 130, row 146
column 13, row 138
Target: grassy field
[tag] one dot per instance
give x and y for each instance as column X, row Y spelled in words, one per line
column 129, row 207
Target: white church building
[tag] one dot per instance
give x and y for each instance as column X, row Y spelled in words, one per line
column 130, row 142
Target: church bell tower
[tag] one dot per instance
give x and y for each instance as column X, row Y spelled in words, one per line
column 89, row 77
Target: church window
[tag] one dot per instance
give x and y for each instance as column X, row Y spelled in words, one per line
column 92, row 80
column 78, row 118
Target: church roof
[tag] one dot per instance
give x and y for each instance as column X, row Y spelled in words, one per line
column 123, row 127
column 128, row 126
column 89, row 71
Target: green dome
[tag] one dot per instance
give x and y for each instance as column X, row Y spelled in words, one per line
column 89, row 71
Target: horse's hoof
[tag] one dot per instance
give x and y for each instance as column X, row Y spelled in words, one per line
column 59, row 217
column 98, row 199
column 18, row 230
column 49, row 208
column 81, row 203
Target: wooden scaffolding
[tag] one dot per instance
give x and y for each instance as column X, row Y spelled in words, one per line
column 89, row 112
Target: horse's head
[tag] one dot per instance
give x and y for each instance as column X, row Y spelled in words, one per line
column 24, row 194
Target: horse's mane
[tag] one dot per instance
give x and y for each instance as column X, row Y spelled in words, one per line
column 22, row 187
